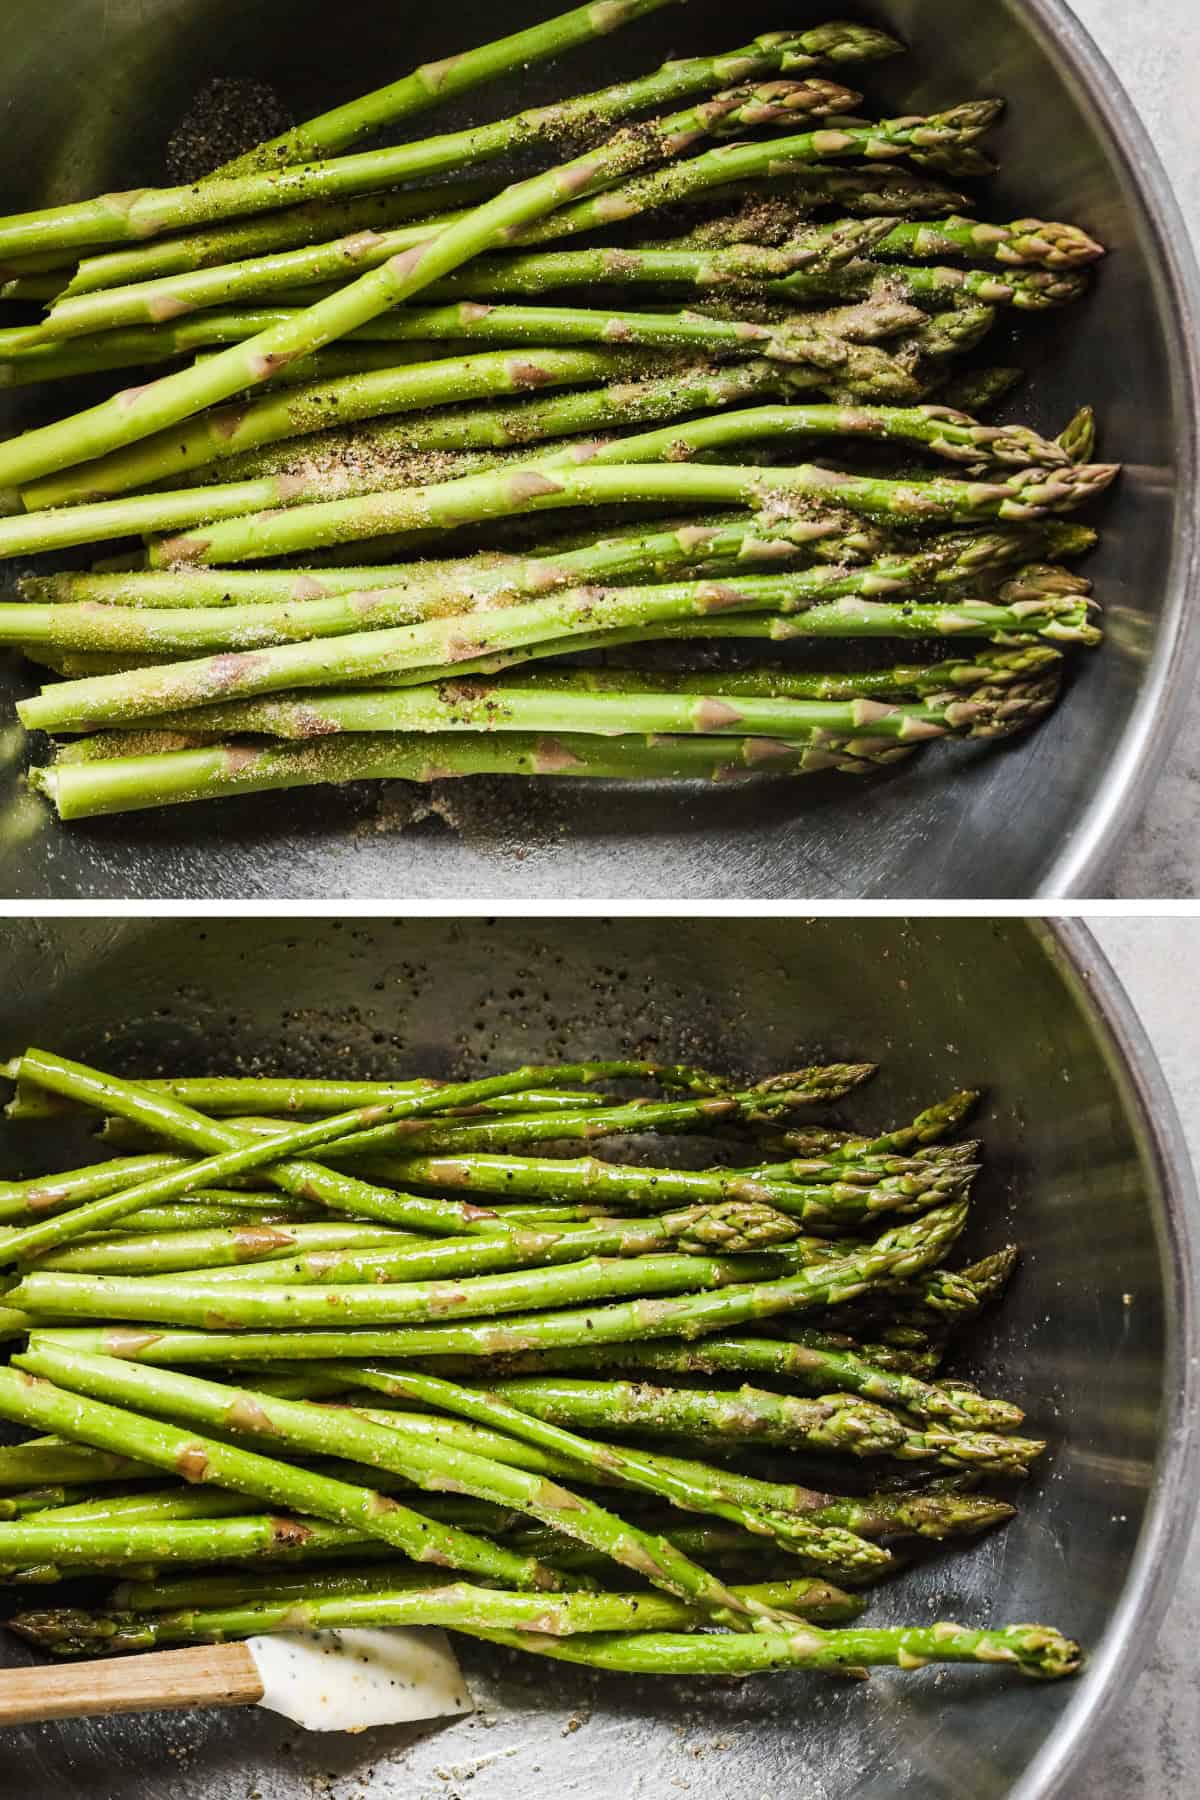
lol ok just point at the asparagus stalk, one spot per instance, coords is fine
(125, 419)
(30, 1400)
(929, 1127)
(54, 1461)
(68, 1632)
(1079, 437)
(1023, 244)
(895, 1256)
(1036, 1650)
(816, 1370)
(33, 358)
(952, 1294)
(349, 1253)
(827, 1203)
(431, 83)
(767, 1099)
(525, 707)
(690, 1486)
(1048, 604)
(227, 1212)
(42, 1194)
(836, 1422)
(812, 1598)
(801, 268)
(72, 1545)
(222, 1094)
(315, 1184)
(173, 1300)
(938, 430)
(149, 212)
(295, 411)
(316, 1428)
(884, 140)
(1027, 495)
(258, 278)
(190, 1251)
(130, 783)
(94, 1215)
(951, 559)
(166, 510)
(28, 355)
(314, 222)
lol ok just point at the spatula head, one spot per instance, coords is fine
(348, 1680)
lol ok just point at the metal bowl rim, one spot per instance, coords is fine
(1170, 681)
(1175, 1496)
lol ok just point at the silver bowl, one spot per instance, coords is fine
(91, 93)
(1098, 1338)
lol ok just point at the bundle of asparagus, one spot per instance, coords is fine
(468, 1346)
(803, 285)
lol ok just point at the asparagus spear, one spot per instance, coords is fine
(731, 1229)
(173, 1300)
(280, 1094)
(189, 1251)
(316, 1428)
(767, 1099)
(68, 1632)
(555, 481)
(835, 1422)
(1036, 1650)
(1079, 437)
(73, 1545)
(432, 83)
(826, 1203)
(31, 1400)
(884, 140)
(951, 559)
(313, 222)
(123, 218)
(127, 783)
(55, 1461)
(895, 1256)
(525, 707)
(953, 1295)
(1024, 243)
(27, 355)
(929, 1127)
(314, 1183)
(1047, 603)
(293, 412)
(818, 1371)
(812, 1598)
(259, 278)
(937, 430)
(691, 1486)
(1024, 496)
(125, 420)
(42, 1194)
(800, 268)
(95, 1214)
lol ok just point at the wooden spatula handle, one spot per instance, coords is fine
(211, 1675)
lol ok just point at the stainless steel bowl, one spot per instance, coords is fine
(1098, 1338)
(91, 91)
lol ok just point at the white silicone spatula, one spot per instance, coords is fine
(324, 1681)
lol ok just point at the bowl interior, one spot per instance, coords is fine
(91, 105)
(1085, 1342)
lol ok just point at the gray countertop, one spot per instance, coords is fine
(1156, 53)
(1150, 1750)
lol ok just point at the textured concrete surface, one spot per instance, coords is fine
(1156, 53)
(1150, 1749)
